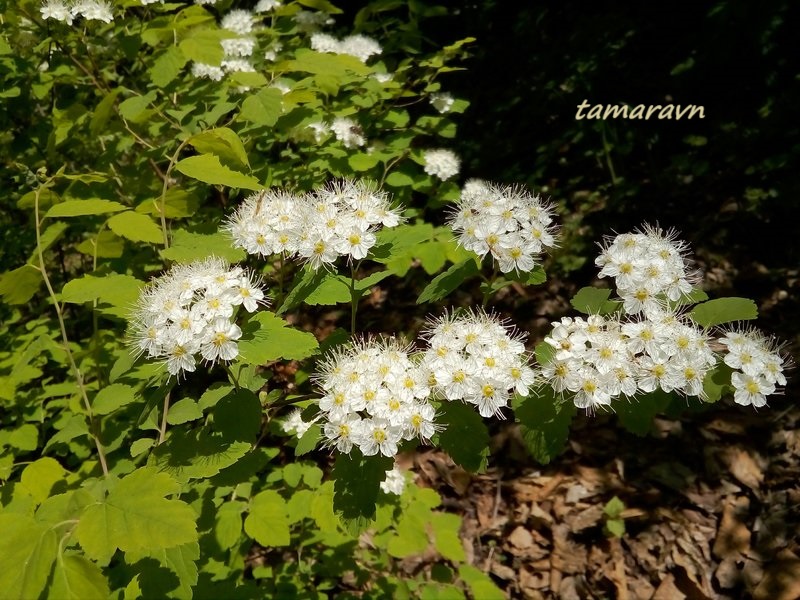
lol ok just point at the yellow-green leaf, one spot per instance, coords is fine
(76, 578)
(136, 227)
(208, 169)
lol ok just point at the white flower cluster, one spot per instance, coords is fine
(266, 5)
(395, 482)
(238, 21)
(338, 220)
(601, 358)
(190, 310)
(360, 46)
(348, 132)
(91, 10)
(375, 397)
(476, 358)
(758, 366)
(512, 224)
(442, 101)
(648, 266)
(441, 163)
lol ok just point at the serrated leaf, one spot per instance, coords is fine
(268, 522)
(357, 481)
(141, 445)
(305, 282)
(263, 108)
(181, 560)
(120, 291)
(106, 244)
(299, 506)
(78, 208)
(594, 301)
(465, 437)
(724, 310)
(444, 284)
(76, 578)
(222, 142)
(228, 524)
(188, 247)
(27, 552)
(411, 537)
(136, 516)
(308, 441)
(197, 454)
(331, 289)
(544, 423)
(136, 227)
(447, 540)
(267, 337)
(208, 169)
(39, 477)
(203, 46)
(480, 584)
(112, 397)
(167, 66)
(336, 65)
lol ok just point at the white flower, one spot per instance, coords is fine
(348, 132)
(238, 46)
(56, 9)
(188, 311)
(323, 42)
(441, 163)
(239, 21)
(93, 10)
(506, 221)
(395, 482)
(266, 6)
(360, 46)
(751, 390)
(206, 2)
(294, 423)
(237, 65)
(200, 70)
(442, 101)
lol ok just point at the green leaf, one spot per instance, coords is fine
(136, 516)
(39, 477)
(357, 481)
(25, 437)
(331, 289)
(480, 584)
(27, 552)
(208, 169)
(136, 227)
(724, 310)
(188, 247)
(615, 527)
(305, 282)
(594, 301)
(141, 445)
(263, 108)
(544, 423)
(222, 142)
(183, 411)
(76, 578)
(399, 179)
(228, 524)
(362, 161)
(444, 284)
(335, 65)
(447, 540)
(20, 285)
(106, 244)
(197, 454)
(717, 383)
(178, 203)
(545, 353)
(181, 560)
(203, 46)
(465, 438)
(308, 441)
(411, 537)
(362, 285)
(614, 507)
(167, 66)
(112, 397)
(120, 291)
(77, 208)
(636, 414)
(268, 522)
(267, 337)
(135, 108)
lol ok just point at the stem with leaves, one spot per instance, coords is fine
(93, 429)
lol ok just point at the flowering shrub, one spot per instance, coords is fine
(230, 157)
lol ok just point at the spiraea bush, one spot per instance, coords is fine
(181, 177)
